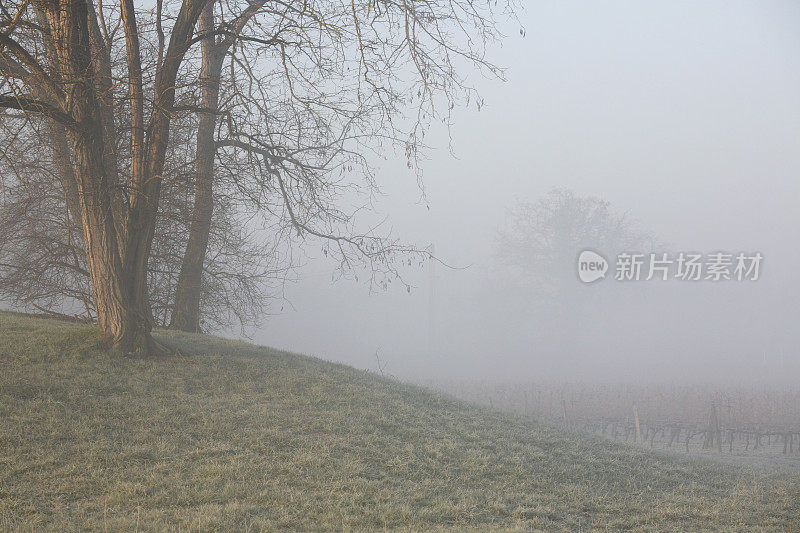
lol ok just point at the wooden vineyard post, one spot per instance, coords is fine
(636, 423)
(713, 432)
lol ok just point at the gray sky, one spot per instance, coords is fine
(684, 114)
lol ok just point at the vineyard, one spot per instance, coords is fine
(735, 421)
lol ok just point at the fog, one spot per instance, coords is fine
(685, 116)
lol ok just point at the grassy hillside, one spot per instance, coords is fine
(228, 435)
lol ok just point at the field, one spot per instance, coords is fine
(759, 425)
(229, 436)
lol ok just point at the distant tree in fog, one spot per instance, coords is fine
(538, 246)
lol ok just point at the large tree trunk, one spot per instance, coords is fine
(117, 232)
(121, 317)
(186, 309)
(101, 62)
(148, 152)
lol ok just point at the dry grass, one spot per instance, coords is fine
(231, 436)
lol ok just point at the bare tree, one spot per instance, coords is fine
(308, 93)
(534, 285)
(312, 89)
(54, 64)
(538, 246)
(43, 260)
(215, 44)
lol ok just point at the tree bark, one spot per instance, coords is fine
(150, 150)
(117, 314)
(117, 238)
(186, 309)
(101, 59)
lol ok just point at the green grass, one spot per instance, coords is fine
(230, 436)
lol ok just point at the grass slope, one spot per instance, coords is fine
(238, 437)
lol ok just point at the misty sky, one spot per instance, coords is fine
(684, 114)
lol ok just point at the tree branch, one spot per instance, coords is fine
(10, 101)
